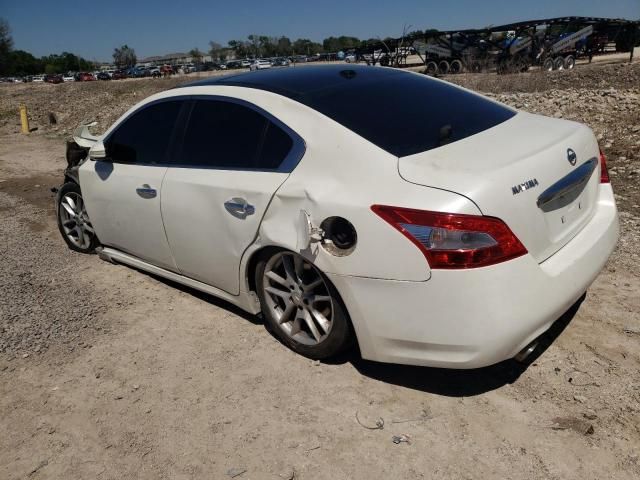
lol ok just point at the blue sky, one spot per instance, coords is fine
(152, 27)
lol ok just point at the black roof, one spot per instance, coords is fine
(297, 82)
(399, 111)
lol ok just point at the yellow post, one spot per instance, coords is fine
(24, 119)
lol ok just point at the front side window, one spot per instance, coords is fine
(223, 134)
(144, 137)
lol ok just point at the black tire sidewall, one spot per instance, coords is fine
(339, 338)
(66, 188)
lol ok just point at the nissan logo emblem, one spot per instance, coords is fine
(571, 156)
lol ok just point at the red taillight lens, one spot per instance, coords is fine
(450, 240)
(604, 173)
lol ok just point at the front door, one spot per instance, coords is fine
(122, 193)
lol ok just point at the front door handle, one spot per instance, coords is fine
(239, 207)
(145, 191)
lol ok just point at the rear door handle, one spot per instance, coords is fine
(239, 207)
(145, 191)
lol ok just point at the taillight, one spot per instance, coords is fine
(452, 241)
(604, 173)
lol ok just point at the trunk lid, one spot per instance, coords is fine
(540, 175)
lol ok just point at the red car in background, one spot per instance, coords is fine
(118, 75)
(85, 77)
(53, 78)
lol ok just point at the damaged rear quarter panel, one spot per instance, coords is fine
(341, 174)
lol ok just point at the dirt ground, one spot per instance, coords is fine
(109, 373)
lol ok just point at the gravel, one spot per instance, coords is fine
(42, 299)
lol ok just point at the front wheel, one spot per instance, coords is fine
(73, 221)
(301, 306)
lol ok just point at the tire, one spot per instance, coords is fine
(73, 222)
(569, 62)
(309, 307)
(443, 67)
(558, 63)
(431, 68)
(547, 64)
(475, 67)
(456, 66)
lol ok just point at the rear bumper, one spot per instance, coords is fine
(474, 318)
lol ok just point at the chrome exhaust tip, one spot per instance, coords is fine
(526, 352)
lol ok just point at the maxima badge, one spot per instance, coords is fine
(524, 186)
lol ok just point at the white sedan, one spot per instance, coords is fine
(361, 205)
(260, 65)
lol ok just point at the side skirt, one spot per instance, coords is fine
(243, 301)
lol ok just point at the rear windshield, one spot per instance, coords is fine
(406, 113)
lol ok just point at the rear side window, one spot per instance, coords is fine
(406, 113)
(224, 134)
(144, 137)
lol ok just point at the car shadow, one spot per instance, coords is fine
(458, 383)
(439, 381)
(205, 297)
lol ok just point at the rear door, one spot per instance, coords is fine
(233, 158)
(122, 193)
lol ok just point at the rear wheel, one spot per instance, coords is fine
(456, 66)
(558, 63)
(73, 222)
(431, 68)
(301, 306)
(569, 62)
(547, 64)
(443, 67)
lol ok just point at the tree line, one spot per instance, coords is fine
(20, 63)
(265, 46)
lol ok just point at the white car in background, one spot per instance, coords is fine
(38, 78)
(68, 78)
(259, 65)
(426, 223)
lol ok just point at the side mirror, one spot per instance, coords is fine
(98, 152)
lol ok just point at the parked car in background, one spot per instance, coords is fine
(68, 78)
(232, 64)
(38, 78)
(85, 77)
(351, 58)
(134, 72)
(155, 72)
(281, 62)
(53, 78)
(103, 76)
(167, 70)
(118, 75)
(245, 63)
(260, 64)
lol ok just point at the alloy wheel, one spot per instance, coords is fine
(75, 221)
(298, 297)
